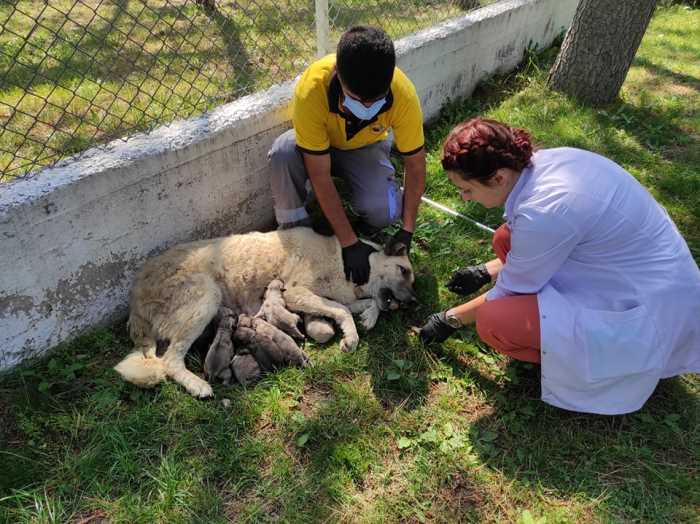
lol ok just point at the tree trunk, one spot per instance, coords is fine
(599, 48)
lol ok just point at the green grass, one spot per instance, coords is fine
(391, 432)
(76, 73)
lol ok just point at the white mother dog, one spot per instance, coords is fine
(177, 294)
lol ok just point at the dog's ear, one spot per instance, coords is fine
(395, 249)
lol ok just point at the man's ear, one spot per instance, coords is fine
(395, 249)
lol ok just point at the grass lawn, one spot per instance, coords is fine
(392, 432)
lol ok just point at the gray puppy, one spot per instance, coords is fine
(245, 368)
(217, 363)
(267, 348)
(274, 310)
(271, 347)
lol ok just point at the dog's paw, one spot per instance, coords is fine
(349, 342)
(199, 388)
(203, 391)
(368, 318)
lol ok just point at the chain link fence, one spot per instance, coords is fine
(76, 73)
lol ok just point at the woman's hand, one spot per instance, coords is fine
(436, 329)
(468, 279)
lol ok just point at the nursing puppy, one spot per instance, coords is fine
(274, 310)
(177, 294)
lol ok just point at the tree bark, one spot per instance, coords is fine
(599, 48)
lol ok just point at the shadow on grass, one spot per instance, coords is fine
(674, 179)
(109, 52)
(399, 373)
(626, 462)
(72, 426)
(244, 76)
(666, 74)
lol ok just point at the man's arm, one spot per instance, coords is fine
(318, 168)
(414, 186)
(355, 253)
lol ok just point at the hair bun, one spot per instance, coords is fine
(479, 147)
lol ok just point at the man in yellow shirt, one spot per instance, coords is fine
(343, 108)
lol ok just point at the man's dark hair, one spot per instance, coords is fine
(365, 60)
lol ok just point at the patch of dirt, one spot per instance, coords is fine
(462, 496)
(683, 153)
(95, 517)
(387, 481)
(468, 405)
(679, 89)
(234, 506)
(312, 400)
(10, 434)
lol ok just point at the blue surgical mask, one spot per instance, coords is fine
(362, 112)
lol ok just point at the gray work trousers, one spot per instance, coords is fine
(376, 196)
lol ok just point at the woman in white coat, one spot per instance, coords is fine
(592, 279)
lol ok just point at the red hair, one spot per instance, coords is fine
(477, 148)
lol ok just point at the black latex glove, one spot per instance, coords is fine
(436, 329)
(399, 239)
(356, 262)
(468, 279)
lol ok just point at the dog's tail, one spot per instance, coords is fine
(143, 370)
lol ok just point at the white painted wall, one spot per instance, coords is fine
(73, 235)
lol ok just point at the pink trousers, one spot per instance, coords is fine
(510, 325)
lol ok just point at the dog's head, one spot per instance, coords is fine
(391, 278)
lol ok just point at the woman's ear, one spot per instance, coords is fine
(505, 176)
(499, 179)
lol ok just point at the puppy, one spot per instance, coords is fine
(274, 311)
(271, 347)
(217, 363)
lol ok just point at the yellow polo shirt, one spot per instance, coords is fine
(320, 121)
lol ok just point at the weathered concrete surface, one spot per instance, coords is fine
(449, 59)
(73, 236)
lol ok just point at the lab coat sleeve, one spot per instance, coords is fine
(541, 241)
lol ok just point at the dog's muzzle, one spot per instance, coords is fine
(389, 302)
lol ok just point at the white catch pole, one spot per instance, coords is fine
(322, 28)
(452, 212)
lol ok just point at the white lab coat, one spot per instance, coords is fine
(617, 288)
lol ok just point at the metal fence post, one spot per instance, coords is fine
(322, 27)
